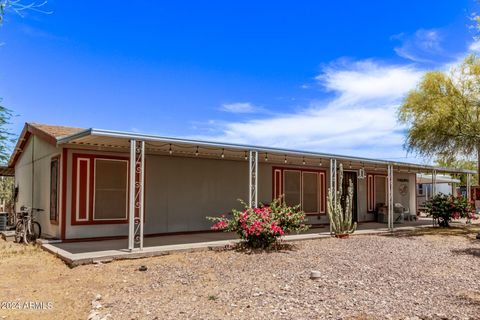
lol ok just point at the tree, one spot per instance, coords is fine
(443, 112)
(453, 162)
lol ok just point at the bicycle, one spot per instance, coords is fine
(26, 228)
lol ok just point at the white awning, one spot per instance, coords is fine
(427, 178)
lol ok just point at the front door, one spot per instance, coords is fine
(347, 176)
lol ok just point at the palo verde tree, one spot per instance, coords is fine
(443, 112)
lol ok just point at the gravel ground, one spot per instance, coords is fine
(428, 276)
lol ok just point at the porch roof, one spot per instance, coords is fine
(110, 140)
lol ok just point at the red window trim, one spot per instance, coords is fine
(91, 158)
(58, 158)
(63, 227)
(278, 172)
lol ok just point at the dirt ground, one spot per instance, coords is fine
(428, 274)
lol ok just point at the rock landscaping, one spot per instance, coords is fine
(427, 274)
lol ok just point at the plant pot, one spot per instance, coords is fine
(342, 235)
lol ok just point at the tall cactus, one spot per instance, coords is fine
(341, 221)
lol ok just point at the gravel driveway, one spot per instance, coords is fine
(429, 276)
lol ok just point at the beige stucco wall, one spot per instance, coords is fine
(181, 192)
(39, 153)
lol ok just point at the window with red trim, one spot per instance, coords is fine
(99, 189)
(303, 187)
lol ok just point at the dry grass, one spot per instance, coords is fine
(10, 249)
(28, 274)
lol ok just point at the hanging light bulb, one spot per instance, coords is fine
(266, 157)
(285, 161)
(320, 163)
(246, 157)
(170, 150)
(223, 153)
(350, 165)
(196, 152)
(303, 162)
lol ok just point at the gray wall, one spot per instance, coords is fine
(42, 153)
(180, 192)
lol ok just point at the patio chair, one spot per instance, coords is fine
(398, 213)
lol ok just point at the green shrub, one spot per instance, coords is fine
(444, 208)
(261, 227)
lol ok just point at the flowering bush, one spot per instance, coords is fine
(445, 208)
(261, 227)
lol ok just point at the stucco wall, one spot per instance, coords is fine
(181, 192)
(40, 153)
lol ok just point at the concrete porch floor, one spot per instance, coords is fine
(85, 252)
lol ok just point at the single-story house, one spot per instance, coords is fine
(96, 184)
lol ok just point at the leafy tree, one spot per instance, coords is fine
(467, 164)
(443, 112)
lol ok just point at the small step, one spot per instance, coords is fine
(8, 235)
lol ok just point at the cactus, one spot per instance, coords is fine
(341, 218)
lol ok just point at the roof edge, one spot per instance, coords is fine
(149, 137)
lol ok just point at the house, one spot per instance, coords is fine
(96, 184)
(444, 184)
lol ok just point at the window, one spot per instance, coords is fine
(301, 187)
(110, 192)
(310, 193)
(54, 173)
(376, 191)
(99, 189)
(292, 187)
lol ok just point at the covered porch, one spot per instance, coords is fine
(255, 174)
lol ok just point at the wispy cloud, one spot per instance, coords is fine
(359, 119)
(241, 107)
(357, 116)
(423, 46)
(367, 80)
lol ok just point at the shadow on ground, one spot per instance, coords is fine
(469, 251)
(279, 247)
(466, 231)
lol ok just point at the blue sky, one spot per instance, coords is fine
(314, 75)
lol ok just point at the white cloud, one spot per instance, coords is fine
(360, 118)
(365, 80)
(422, 46)
(240, 107)
(474, 47)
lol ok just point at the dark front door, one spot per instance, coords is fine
(347, 177)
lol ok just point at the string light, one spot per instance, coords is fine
(246, 157)
(320, 164)
(285, 161)
(350, 165)
(170, 150)
(266, 157)
(303, 162)
(223, 153)
(196, 152)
